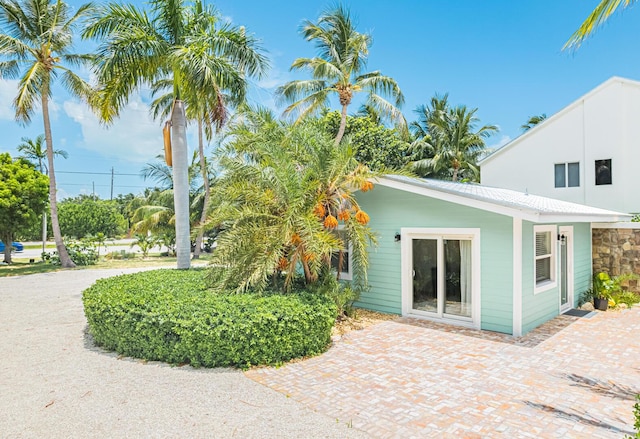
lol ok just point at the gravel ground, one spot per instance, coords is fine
(54, 383)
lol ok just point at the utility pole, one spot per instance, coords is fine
(93, 185)
(111, 183)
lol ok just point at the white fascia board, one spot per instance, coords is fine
(457, 199)
(573, 218)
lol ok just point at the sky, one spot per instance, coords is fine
(503, 57)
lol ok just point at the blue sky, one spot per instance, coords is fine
(503, 57)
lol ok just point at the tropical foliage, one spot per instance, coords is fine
(598, 16)
(448, 143)
(35, 45)
(533, 121)
(87, 215)
(284, 193)
(378, 147)
(23, 194)
(174, 45)
(339, 70)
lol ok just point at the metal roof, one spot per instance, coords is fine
(509, 202)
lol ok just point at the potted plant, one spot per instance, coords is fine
(602, 286)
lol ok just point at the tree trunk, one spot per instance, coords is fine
(181, 184)
(343, 124)
(455, 174)
(65, 260)
(207, 191)
(8, 244)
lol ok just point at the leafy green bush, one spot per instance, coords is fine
(81, 252)
(169, 315)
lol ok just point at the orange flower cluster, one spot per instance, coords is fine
(362, 217)
(319, 211)
(366, 186)
(344, 215)
(295, 239)
(308, 257)
(282, 264)
(330, 222)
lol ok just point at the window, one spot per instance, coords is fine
(545, 253)
(567, 173)
(603, 172)
(341, 260)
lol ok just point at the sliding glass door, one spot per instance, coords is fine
(442, 276)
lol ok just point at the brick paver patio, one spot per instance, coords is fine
(572, 377)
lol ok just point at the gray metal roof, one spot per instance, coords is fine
(542, 207)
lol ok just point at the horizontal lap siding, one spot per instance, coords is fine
(391, 210)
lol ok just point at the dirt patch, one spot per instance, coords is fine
(362, 319)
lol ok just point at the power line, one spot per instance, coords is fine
(95, 173)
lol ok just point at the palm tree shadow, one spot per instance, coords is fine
(606, 388)
(582, 418)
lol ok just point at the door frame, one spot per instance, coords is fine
(568, 232)
(407, 235)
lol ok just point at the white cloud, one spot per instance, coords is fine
(134, 136)
(504, 139)
(8, 91)
(276, 78)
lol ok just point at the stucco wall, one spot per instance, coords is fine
(617, 251)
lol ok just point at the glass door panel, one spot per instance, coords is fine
(564, 273)
(425, 275)
(457, 294)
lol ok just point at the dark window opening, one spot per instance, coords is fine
(603, 172)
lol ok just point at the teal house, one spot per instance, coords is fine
(477, 256)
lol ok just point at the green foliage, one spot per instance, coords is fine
(636, 414)
(342, 294)
(613, 289)
(283, 192)
(169, 315)
(146, 243)
(375, 145)
(82, 252)
(23, 195)
(87, 215)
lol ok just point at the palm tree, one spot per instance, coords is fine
(280, 205)
(533, 121)
(448, 144)
(35, 45)
(338, 68)
(142, 49)
(35, 151)
(598, 16)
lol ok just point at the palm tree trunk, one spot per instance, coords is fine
(65, 260)
(343, 124)
(455, 174)
(181, 184)
(207, 191)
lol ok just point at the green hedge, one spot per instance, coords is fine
(169, 315)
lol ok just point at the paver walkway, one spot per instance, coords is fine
(571, 378)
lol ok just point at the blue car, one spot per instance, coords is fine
(17, 246)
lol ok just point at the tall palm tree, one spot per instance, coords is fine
(598, 16)
(533, 121)
(35, 151)
(338, 69)
(143, 48)
(35, 45)
(448, 144)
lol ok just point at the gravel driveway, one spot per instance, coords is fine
(55, 383)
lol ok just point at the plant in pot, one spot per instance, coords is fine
(602, 291)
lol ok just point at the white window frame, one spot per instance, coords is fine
(553, 270)
(565, 166)
(347, 275)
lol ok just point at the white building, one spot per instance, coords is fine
(587, 153)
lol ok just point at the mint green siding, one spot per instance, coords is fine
(538, 308)
(391, 210)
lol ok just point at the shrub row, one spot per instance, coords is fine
(169, 315)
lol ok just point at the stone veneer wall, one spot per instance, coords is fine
(617, 251)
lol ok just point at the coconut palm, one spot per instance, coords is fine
(339, 69)
(281, 205)
(533, 121)
(448, 144)
(35, 151)
(143, 48)
(598, 16)
(35, 45)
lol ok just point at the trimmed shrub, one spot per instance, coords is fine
(169, 315)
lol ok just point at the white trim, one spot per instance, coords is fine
(406, 267)
(559, 114)
(623, 225)
(548, 285)
(568, 231)
(517, 277)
